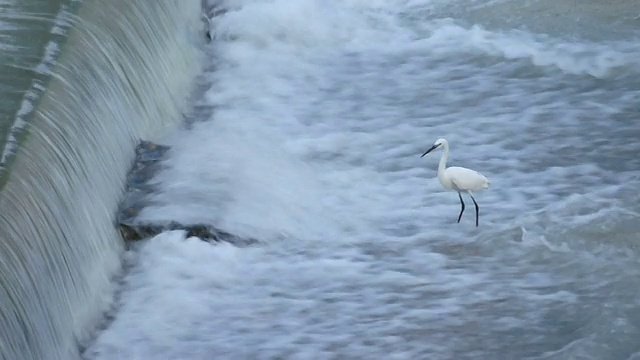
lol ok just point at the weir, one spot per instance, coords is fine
(123, 74)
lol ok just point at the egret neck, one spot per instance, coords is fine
(444, 180)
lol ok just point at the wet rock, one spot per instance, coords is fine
(205, 232)
(211, 10)
(138, 187)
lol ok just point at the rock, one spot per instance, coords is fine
(138, 187)
(210, 10)
(204, 232)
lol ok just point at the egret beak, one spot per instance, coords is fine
(430, 150)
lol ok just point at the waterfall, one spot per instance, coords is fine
(124, 73)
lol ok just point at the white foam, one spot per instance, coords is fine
(578, 58)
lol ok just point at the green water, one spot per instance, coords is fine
(27, 29)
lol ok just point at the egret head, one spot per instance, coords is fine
(436, 145)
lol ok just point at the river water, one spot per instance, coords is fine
(315, 117)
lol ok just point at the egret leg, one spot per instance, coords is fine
(477, 209)
(462, 204)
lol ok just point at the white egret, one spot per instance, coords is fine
(458, 179)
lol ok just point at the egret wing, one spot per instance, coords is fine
(466, 179)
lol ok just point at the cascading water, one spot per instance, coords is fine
(124, 72)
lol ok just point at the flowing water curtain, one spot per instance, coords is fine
(122, 74)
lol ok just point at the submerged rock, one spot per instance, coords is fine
(211, 10)
(138, 188)
(205, 232)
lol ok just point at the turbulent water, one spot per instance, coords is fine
(316, 115)
(80, 83)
